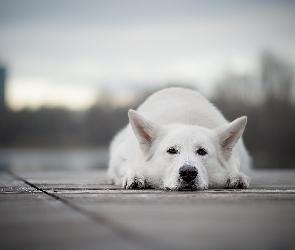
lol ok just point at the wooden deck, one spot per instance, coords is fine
(78, 210)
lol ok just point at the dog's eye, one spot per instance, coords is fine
(172, 151)
(201, 151)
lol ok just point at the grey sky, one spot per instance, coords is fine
(116, 44)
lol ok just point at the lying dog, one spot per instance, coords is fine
(177, 140)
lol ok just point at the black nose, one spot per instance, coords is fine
(188, 173)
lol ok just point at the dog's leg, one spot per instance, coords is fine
(237, 181)
(134, 181)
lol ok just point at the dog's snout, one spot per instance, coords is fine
(188, 173)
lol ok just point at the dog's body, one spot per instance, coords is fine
(178, 140)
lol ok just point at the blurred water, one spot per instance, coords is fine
(53, 159)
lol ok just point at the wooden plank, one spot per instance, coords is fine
(262, 217)
(30, 219)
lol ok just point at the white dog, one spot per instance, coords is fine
(177, 140)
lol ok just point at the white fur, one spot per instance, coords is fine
(185, 120)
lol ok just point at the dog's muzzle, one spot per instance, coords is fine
(188, 177)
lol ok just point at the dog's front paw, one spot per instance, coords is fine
(134, 182)
(237, 181)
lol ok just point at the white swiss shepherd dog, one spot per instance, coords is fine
(177, 140)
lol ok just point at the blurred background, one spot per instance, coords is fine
(70, 70)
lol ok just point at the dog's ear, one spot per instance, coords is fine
(144, 130)
(229, 134)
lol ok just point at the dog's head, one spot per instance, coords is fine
(181, 157)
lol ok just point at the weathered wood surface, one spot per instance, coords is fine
(78, 210)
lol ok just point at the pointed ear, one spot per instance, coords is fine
(229, 134)
(144, 130)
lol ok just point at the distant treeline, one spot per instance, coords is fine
(61, 127)
(267, 101)
(269, 104)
